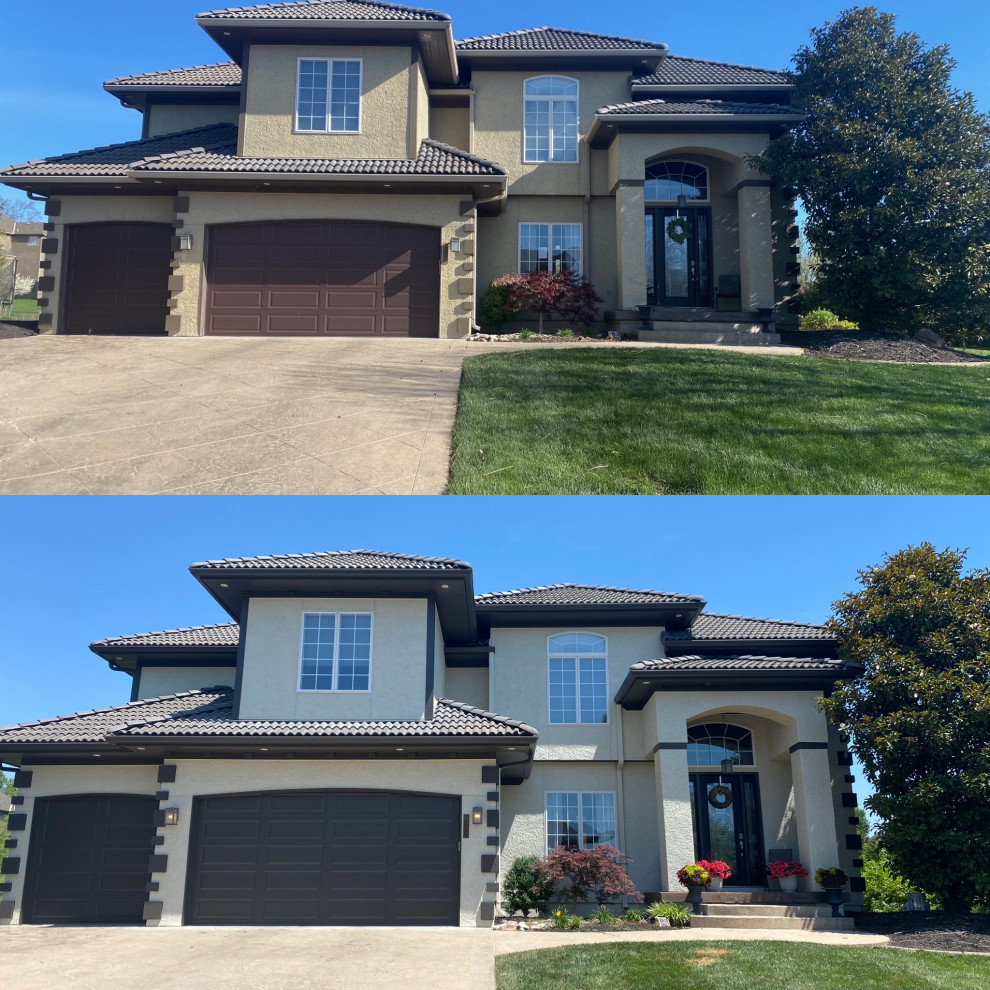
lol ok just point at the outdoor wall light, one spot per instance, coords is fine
(728, 766)
(476, 816)
(171, 816)
(455, 245)
(185, 242)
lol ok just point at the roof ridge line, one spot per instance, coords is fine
(463, 706)
(221, 689)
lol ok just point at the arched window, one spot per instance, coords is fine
(550, 119)
(713, 742)
(578, 678)
(665, 181)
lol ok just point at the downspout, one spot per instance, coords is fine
(619, 792)
(586, 214)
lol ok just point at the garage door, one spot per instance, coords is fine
(88, 859)
(116, 278)
(308, 278)
(324, 858)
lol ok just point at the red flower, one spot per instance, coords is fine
(716, 867)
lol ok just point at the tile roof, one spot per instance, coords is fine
(113, 160)
(581, 594)
(207, 712)
(738, 662)
(677, 70)
(549, 39)
(434, 158)
(713, 625)
(714, 108)
(344, 10)
(215, 74)
(336, 560)
(222, 634)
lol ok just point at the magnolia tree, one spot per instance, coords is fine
(564, 292)
(597, 874)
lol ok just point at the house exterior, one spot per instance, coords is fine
(333, 754)
(354, 170)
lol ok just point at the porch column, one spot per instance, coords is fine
(755, 245)
(630, 239)
(814, 814)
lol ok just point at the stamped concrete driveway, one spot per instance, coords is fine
(47, 958)
(222, 416)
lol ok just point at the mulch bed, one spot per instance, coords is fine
(19, 329)
(930, 930)
(861, 345)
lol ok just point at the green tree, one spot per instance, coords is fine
(6, 787)
(893, 166)
(919, 715)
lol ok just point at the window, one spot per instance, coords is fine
(550, 119)
(580, 820)
(709, 744)
(578, 667)
(665, 181)
(328, 95)
(336, 652)
(549, 247)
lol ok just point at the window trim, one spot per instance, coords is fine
(329, 63)
(740, 767)
(336, 646)
(577, 678)
(550, 224)
(580, 794)
(577, 107)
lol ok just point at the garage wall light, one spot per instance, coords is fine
(455, 245)
(185, 242)
(171, 816)
(476, 815)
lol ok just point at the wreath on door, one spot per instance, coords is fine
(720, 796)
(679, 229)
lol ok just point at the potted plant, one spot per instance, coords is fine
(718, 870)
(787, 874)
(832, 880)
(696, 878)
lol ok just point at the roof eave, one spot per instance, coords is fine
(27, 181)
(711, 87)
(794, 647)
(603, 121)
(400, 178)
(650, 58)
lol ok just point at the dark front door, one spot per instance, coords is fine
(726, 816)
(324, 858)
(88, 860)
(678, 256)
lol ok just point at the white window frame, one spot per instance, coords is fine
(296, 129)
(685, 161)
(577, 676)
(742, 767)
(336, 652)
(550, 224)
(580, 796)
(577, 113)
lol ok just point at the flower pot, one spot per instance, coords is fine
(834, 897)
(695, 890)
(716, 883)
(787, 884)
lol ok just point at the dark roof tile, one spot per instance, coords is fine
(677, 70)
(581, 594)
(712, 626)
(737, 662)
(550, 39)
(336, 560)
(327, 10)
(216, 74)
(222, 634)
(712, 108)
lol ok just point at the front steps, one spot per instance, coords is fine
(696, 326)
(767, 911)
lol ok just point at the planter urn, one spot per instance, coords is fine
(695, 890)
(833, 895)
(645, 315)
(788, 885)
(716, 884)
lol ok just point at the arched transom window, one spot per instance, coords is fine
(666, 181)
(713, 742)
(578, 676)
(550, 119)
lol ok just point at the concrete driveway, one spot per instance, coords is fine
(226, 416)
(44, 958)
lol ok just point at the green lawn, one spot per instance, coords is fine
(636, 421)
(738, 966)
(978, 351)
(24, 309)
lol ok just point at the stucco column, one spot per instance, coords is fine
(815, 817)
(670, 768)
(630, 239)
(755, 245)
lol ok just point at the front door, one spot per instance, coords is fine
(678, 256)
(725, 811)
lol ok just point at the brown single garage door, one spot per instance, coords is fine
(116, 278)
(88, 859)
(324, 858)
(319, 277)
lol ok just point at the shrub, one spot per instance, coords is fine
(603, 916)
(633, 914)
(566, 332)
(886, 890)
(825, 319)
(597, 874)
(833, 876)
(527, 886)
(565, 921)
(565, 293)
(677, 914)
(495, 306)
(525, 334)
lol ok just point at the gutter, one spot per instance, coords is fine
(604, 120)
(138, 174)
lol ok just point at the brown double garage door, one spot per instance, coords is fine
(305, 278)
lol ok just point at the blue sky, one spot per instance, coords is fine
(80, 569)
(56, 55)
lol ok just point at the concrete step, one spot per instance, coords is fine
(743, 897)
(767, 910)
(739, 335)
(761, 922)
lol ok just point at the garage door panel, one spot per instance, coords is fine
(323, 277)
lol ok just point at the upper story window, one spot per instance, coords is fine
(666, 181)
(549, 247)
(550, 119)
(336, 652)
(578, 668)
(328, 95)
(709, 744)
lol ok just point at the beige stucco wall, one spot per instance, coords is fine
(52, 781)
(215, 208)
(439, 663)
(203, 777)
(269, 687)
(451, 125)
(419, 111)
(468, 684)
(165, 118)
(157, 681)
(269, 126)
